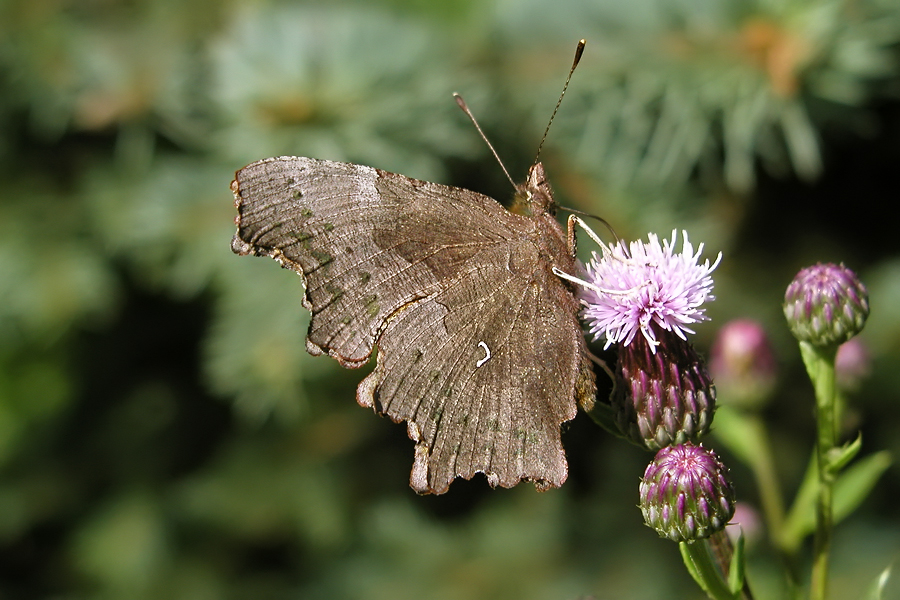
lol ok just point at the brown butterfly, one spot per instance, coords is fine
(480, 349)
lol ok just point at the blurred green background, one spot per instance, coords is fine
(163, 433)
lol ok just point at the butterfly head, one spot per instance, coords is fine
(534, 197)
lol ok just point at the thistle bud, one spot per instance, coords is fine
(746, 522)
(686, 494)
(852, 365)
(743, 364)
(826, 305)
(663, 397)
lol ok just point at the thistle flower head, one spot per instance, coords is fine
(663, 393)
(826, 305)
(646, 288)
(686, 494)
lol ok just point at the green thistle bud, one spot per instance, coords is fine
(664, 397)
(686, 494)
(826, 305)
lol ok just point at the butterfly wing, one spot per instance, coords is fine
(480, 349)
(484, 373)
(330, 222)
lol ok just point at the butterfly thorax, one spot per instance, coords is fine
(534, 198)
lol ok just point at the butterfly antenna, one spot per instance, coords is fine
(465, 109)
(579, 50)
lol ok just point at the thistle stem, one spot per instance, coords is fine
(698, 558)
(723, 551)
(819, 363)
(762, 464)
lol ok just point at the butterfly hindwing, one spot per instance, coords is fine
(482, 381)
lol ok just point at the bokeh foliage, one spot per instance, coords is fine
(163, 433)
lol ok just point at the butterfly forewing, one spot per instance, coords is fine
(480, 349)
(329, 221)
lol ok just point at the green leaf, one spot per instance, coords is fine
(691, 565)
(800, 519)
(740, 432)
(700, 565)
(838, 458)
(604, 416)
(876, 591)
(850, 489)
(736, 568)
(854, 485)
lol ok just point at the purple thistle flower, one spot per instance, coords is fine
(644, 287)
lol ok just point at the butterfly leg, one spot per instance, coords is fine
(571, 243)
(570, 232)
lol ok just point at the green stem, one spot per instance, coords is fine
(744, 433)
(763, 467)
(820, 366)
(723, 552)
(772, 500)
(700, 564)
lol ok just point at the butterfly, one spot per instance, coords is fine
(479, 345)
